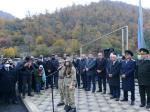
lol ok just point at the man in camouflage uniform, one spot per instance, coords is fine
(69, 84)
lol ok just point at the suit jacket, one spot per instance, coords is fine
(101, 65)
(91, 65)
(114, 69)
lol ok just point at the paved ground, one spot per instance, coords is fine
(13, 108)
(86, 102)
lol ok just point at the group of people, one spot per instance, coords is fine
(119, 74)
(26, 76)
(66, 73)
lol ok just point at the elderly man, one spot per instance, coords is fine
(114, 77)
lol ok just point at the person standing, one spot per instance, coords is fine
(69, 84)
(127, 74)
(8, 79)
(54, 68)
(61, 83)
(91, 73)
(27, 71)
(143, 75)
(101, 72)
(82, 71)
(114, 77)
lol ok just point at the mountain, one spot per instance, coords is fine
(5, 15)
(68, 28)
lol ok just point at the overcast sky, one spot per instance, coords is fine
(19, 8)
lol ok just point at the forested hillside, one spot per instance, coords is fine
(68, 28)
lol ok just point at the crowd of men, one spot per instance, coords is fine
(84, 72)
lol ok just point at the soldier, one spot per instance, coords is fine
(127, 73)
(69, 84)
(114, 77)
(61, 83)
(101, 72)
(143, 72)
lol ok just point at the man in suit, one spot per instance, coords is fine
(82, 71)
(114, 77)
(143, 72)
(91, 73)
(127, 74)
(101, 72)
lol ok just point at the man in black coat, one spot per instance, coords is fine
(114, 76)
(143, 72)
(8, 80)
(101, 72)
(91, 73)
(76, 62)
(27, 71)
(127, 73)
(54, 68)
(82, 71)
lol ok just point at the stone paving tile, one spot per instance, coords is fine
(87, 102)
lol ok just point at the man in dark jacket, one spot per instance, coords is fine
(91, 73)
(101, 72)
(27, 72)
(114, 76)
(76, 61)
(127, 73)
(143, 72)
(55, 65)
(8, 83)
(82, 71)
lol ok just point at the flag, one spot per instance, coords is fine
(141, 42)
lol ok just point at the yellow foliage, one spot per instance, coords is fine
(9, 52)
(39, 40)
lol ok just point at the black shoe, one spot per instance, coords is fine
(124, 100)
(148, 107)
(31, 95)
(104, 92)
(67, 108)
(99, 91)
(142, 105)
(117, 99)
(73, 110)
(132, 103)
(61, 104)
(111, 97)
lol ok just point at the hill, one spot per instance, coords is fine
(5, 15)
(68, 28)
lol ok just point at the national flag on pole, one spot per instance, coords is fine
(141, 42)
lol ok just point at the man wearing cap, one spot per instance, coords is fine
(143, 74)
(127, 74)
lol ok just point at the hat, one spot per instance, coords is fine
(129, 52)
(144, 50)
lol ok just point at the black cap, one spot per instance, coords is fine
(129, 52)
(144, 50)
